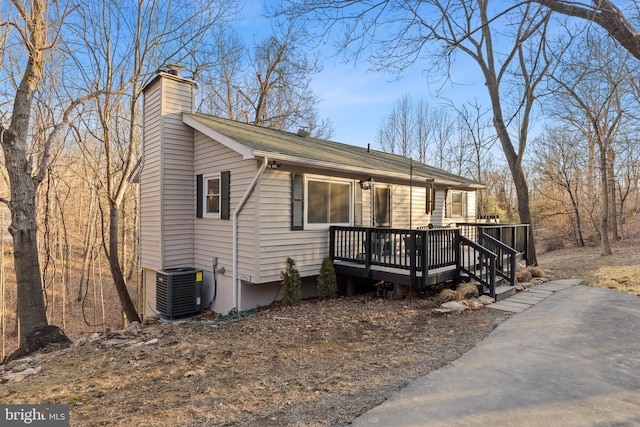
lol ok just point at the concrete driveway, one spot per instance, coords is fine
(572, 359)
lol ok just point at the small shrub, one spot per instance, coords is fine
(327, 284)
(537, 271)
(446, 295)
(466, 291)
(292, 282)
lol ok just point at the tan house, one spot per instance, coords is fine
(235, 200)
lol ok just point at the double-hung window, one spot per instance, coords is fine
(212, 196)
(456, 204)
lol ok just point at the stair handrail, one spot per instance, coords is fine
(470, 269)
(510, 252)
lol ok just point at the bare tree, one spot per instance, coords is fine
(125, 44)
(440, 30)
(278, 90)
(396, 133)
(423, 130)
(628, 179)
(268, 87)
(221, 94)
(560, 164)
(593, 99)
(605, 14)
(32, 28)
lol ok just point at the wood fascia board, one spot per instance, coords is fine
(230, 143)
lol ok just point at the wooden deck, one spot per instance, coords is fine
(421, 258)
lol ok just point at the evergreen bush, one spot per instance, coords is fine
(292, 283)
(327, 285)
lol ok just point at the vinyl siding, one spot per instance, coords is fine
(213, 236)
(277, 241)
(177, 182)
(150, 182)
(166, 186)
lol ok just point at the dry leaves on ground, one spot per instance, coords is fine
(321, 363)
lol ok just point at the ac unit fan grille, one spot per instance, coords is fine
(177, 292)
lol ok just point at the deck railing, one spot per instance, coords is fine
(481, 250)
(395, 248)
(515, 236)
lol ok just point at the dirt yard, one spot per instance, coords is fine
(317, 364)
(620, 270)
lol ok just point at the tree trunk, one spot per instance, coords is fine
(517, 174)
(30, 306)
(31, 309)
(604, 181)
(116, 270)
(578, 225)
(612, 193)
(88, 247)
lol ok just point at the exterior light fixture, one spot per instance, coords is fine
(365, 184)
(273, 165)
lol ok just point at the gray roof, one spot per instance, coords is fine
(277, 144)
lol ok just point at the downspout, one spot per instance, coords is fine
(234, 218)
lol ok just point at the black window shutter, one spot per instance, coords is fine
(225, 195)
(297, 202)
(199, 195)
(431, 199)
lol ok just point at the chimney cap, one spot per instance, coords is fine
(174, 69)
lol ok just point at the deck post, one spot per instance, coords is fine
(413, 255)
(332, 242)
(423, 251)
(458, 250)
(368, 250)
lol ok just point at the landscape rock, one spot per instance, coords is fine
(15, 377)
(486, 300)
(134, 328)
(454, 305)
(472, 305)
(196, 373)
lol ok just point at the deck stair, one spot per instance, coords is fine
(504, 291)
(487, 254)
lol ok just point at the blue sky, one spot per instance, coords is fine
(355, 99)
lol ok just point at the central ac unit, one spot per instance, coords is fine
(179, 291)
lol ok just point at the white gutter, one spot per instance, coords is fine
(360, 170)
(234, 218)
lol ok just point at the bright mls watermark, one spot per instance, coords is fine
(34, 415)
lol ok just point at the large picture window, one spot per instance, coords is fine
(328, 202)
